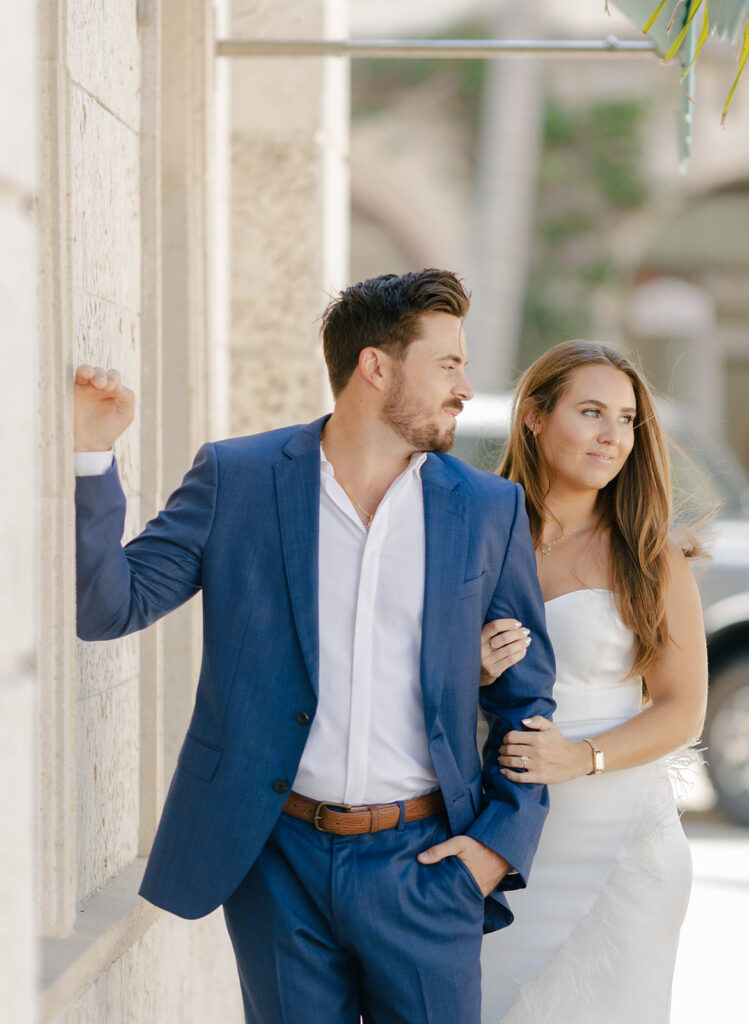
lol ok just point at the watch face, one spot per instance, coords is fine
(598, 759)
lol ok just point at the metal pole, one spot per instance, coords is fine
(435, 48)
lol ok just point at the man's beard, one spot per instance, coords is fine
(403, 410)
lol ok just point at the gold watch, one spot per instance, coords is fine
(598, 761)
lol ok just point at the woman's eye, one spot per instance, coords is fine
(594, 412)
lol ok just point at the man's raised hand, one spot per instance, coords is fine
(104, 408)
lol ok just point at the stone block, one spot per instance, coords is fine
(268, 392)
(277, 269)
(101, 1002)
(109, 335)
(103, 54)
(17, 940)
(149, 995)
(278, 19)
(295, 88)
(102, 666)
(108, 784)
(18, 96)
(105, 203)
(18, 451)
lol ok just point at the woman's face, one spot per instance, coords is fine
(586, 439)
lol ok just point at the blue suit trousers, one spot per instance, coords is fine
(327, 929)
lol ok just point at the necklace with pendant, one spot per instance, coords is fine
(369, 516)
(546, 548)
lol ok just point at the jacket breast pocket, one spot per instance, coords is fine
(198, 758)
(473, 586)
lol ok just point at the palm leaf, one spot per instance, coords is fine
(654, 16)
(682, 35)
(723, 19)
(742, 61)
(704, 36)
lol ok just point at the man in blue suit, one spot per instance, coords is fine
(329, 793)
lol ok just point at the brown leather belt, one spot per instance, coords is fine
(345, 820)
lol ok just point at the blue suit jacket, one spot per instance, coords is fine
(243, 528)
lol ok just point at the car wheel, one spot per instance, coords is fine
(727, 738)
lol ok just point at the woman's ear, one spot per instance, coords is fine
(532, 417)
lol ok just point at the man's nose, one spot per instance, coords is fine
(463, 388)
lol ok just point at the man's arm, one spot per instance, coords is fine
(505, 834)
(121, 589)
(512, 816)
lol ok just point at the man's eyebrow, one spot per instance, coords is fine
(453, 357)
(602, 405)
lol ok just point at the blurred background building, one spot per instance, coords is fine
(554, 186)
(184, 218)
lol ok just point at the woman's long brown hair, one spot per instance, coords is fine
(636, 506)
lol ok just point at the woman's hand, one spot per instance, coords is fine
(503, 643)
(543, 753)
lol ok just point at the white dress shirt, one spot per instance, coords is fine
(367, 741)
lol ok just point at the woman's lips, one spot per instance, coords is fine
(600, 457)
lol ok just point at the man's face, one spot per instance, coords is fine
(429, 385)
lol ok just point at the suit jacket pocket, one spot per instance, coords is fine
(198, 758)
(473, 586)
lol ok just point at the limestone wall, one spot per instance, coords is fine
(118, 173)
(289, 212)
(123, 204)
(18, 440)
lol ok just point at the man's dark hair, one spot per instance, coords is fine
(383, 312)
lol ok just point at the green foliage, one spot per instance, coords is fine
(590, 177)
(375, 84)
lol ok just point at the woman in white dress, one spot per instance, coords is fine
(595, 933)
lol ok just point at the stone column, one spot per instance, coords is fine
(18, 452)
(289, 211)
(511, 133)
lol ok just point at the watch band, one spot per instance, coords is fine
(598, 759)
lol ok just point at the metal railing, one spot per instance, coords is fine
(436, 48)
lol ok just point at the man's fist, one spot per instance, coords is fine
(104, 408)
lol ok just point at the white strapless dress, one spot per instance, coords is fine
(595, 932)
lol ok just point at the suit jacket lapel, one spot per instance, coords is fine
(446, 529)
(298, 499)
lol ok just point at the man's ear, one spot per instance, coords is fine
(374, 366)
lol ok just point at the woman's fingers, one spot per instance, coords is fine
(499, 626)
(504, 643)
(498, 639)
(538, 722)
(528, 776)
(521, 763)
(494, 663)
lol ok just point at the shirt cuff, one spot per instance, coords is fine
(93, 463)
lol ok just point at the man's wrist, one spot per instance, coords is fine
(502, 865)
(92, 463)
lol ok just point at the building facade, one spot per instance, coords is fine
(183, 221)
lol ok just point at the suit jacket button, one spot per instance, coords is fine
(280, 786)
(302, 717)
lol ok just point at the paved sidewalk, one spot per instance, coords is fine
(711, 983)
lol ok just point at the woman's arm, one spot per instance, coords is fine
(677, 684)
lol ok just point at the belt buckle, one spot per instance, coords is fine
(344, 808)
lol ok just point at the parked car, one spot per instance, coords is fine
(709, 470)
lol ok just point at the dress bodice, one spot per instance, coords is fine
(593, 650)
